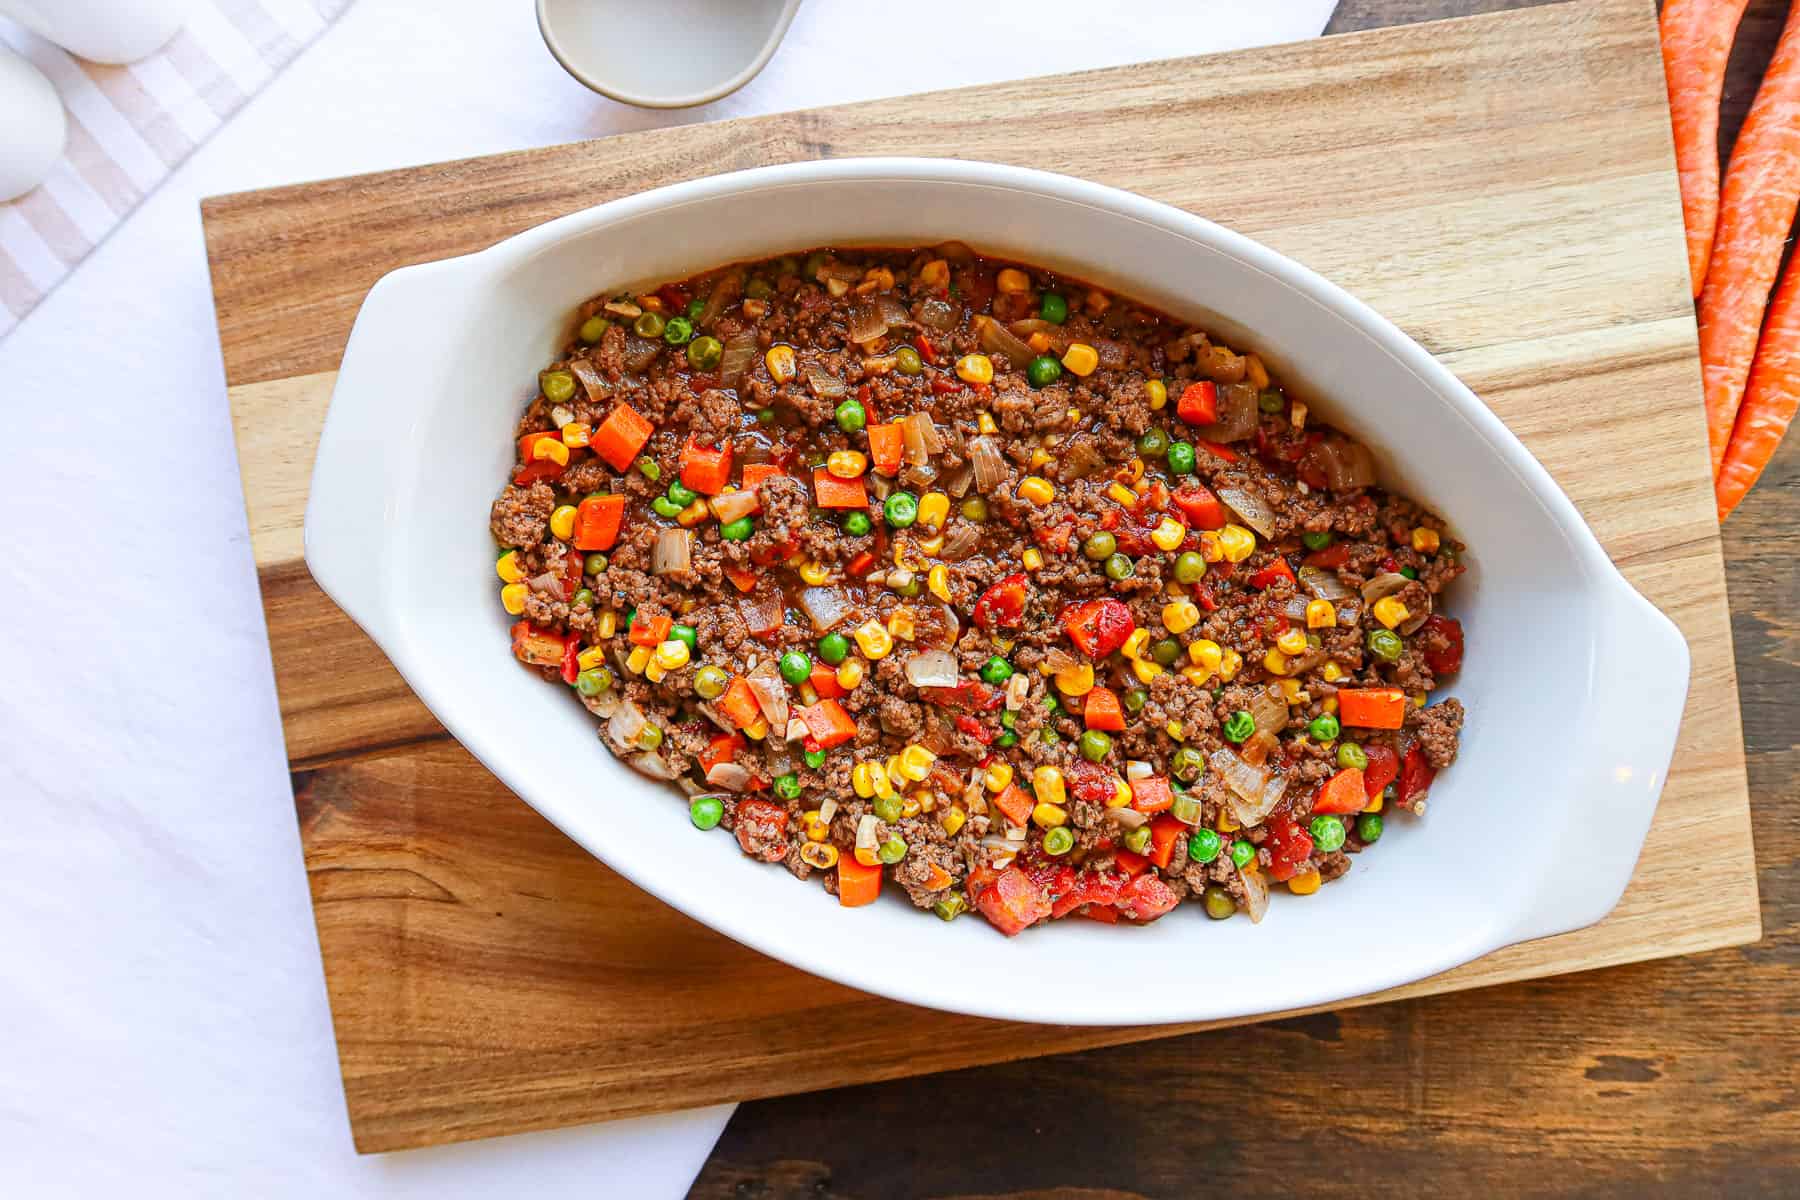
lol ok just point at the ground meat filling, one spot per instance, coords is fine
(917, 568)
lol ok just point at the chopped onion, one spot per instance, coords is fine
(729, 506)
(998, 339)
(762, 612)
(1256, 893)
(1257, 749)
(1249, 787)
(920, 476)
(866, 838)
(724, 294)
(932, 668)
(639, 352)
(936, 625)
(958, 479)
(865, 323)
(1270, 709)
(591, 383)
(674, 552)
(1383, 585)
(1346, 465)
(1238, 415)
(891, 310)
(733, 777)
(1059, 659)
(990, 467)
(1295, 608)
(738, 355)
(922, 440)
(940, 315)
(654, 765)
(824, 384)
(625, 726)
(547, 582)
(1127, 816)
(960, 542)
(796, 729)
(835, 269)
(771, 694)
(605, 704)
(1323, 584)
(828, 809)
(1412, 623)
(879, 484)
(1058, 336)
(1254, 510)
(824, 607)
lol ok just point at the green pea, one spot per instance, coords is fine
(1049, 737)
(1368, 828)
(758, 288)
(1239, 726)
(1270, 400)
(1094, 745)
(1043, 371)
(678, 331)
(887, 808)
(583, 598)
(1185, 808)
(738, 530)
(1187, 763)
(1053, 308)
(1316, 541)
(892, 850)
(1242, 854)
(1099, 545)
(975, 508)
(1166, 652)
(795, 667)
(1410, 572)
(703, 353)
(907, 361)
(1327, 832)
(593, 329)
(1138, 840)
(1007, 740)
(1350, 756)
(666, 507)
(765, 416)
(857, 523)
(649, 470)
(851, 416)
(1008, 719)
(557, 385)
(1189, 567)
(1218, 904)
(649, 325)
(950, 906)
(682, 494)
(1154, 443)
(1051, 704)
(1058, 841)
(1119, 567)
(1135, 700)
(996, 671)
(706, 811)
(901, 509)
(1181, 458)
(595, 564)
(787, 786)
(1204, 845)
(834, 648)
(814, 758)
(695, 307)
(1323, 727)
(649, 737)
(710, 682)
(1385, 644)
(593, 681)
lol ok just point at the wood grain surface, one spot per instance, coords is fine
(1501, 187)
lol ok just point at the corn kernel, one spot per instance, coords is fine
(1039, 342)
(758, 729)
(1077, 680)
(593, 656)
(876, 279)
(891, 771)
(814, 572)
(577, 433)
(862, 780)
(1074, 416)
(551, 450)
(782, 367)
(1012, 280)
(1134, 642)
(998, 776)
(1332, 672)
(935, 274)
(808, 693)
(1320, 615)
(1226, 822)
(1238, 543)
(693, 514)
(938, 580)
(932, 545)
(850, 674)
(1275, 662)
(1291, 642)
(608, 624)
(952, 820)
(820, 855)
(1297, 414)
(847, 464)
(1145, 669)
(1207, 654)
(1168, 534)
(638, 659)
(985, 423)
(867, 856)
(1040, 458)
(1002, 645)
(1255, 372)
(1418, 699)
(1122, 494)
(1180, 616)
(509, 569)
(1230, 663)
(900, 623)
(814, 825)
(1196, 676)
(1158, 392)
(1329, 704)
(1081, 359)
(1212, 549)
(1047, 784)
(1121, 794)
(934, 507)
(1134, 468)
(512, 597)
(1425, 541)
(1033, 559)
(1049, 816)
(1375, 804)
(915, 762)
(874, 640)
(796, 560)
(1305, 883)
(1390, 611)
(914, 804)
(1037, 489)
(975, 368)
(653, 672)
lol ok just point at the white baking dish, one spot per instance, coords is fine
(1573, 682)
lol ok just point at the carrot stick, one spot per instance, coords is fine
(1770, 399)
(1696, 44)
(1762, 186)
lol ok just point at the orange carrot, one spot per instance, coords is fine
(1762, 188)
(1696, 44)
(857, 884)
(832, 492)
(1770, 399)
(1372, 708)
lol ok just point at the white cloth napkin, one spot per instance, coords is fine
(163, 1026)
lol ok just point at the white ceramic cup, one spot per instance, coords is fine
(32, 133)
(103, 31)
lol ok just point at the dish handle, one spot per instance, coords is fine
(1640, 674)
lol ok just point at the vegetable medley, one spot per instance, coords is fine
(914, 568)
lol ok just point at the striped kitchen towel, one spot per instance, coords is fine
(130, 126)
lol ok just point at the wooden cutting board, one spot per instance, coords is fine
(1501, 186)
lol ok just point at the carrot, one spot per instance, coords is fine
(755, 473)
(1696, 44)
(739, 703)
(857, 884)
(1762, 189)
(1015, 803)
(744, 581)
(1770, 399)
(621, 436)
(1342, 793)
(597, 522)
(885, 446)
(1102, 710)
(1163, 831)
(827, 724)
(651, 631)
(1372, 708)
(833, 492)
(705, 469)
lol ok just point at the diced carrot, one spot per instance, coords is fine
(597, 522)
(833, 492)
(857, 884)
(1015, 803)
(755, 473)
(1372, 708)
(824, 681)
(859, 566)
(739, 704)
(744, 580)
(1224, 452)
(721, 749)
(1696, 44)
(1103, 711)
(1163, 831)
(1343, 792)
(705, 469)
(1131, 864)
(1770, 399)
(1152, 794)
(1199, 403)
(886, 443)
(621, 436)
(937, 879)
(827, 724)
(651, 631)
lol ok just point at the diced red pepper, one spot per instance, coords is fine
(1090, 781)
(1002, 606)
(1131, 864)
(1098, 627)
(886, 445)
(674, 297)
(1102, 710)
(1147, 898)
(1383, 769)
(967, 694)
(922, 344)
(1331, 557)
(1163, 831)
(943, 385)
(739, 704)
(827, 724)
(571, 576)
(1342, 793)
(597, 521)
(755, 473)
(651, 631)
(536, 646)
(1201, 507)
(1442, 638)
(975, 729)
(1199, 403)
(1105, 914)
(1098, 889)
(530, 473)
(824, 681)
(833, 492)
(1267, 575)
(1151, 794)
(1222, 451)
(859, 566)
(721, 749)
(742, 579)
(1015, 802)
(1416, 775)
(571, 665)
(621, 436)
(1012, 902)
(1289, 846)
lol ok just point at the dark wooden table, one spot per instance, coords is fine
(1681, 1075)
